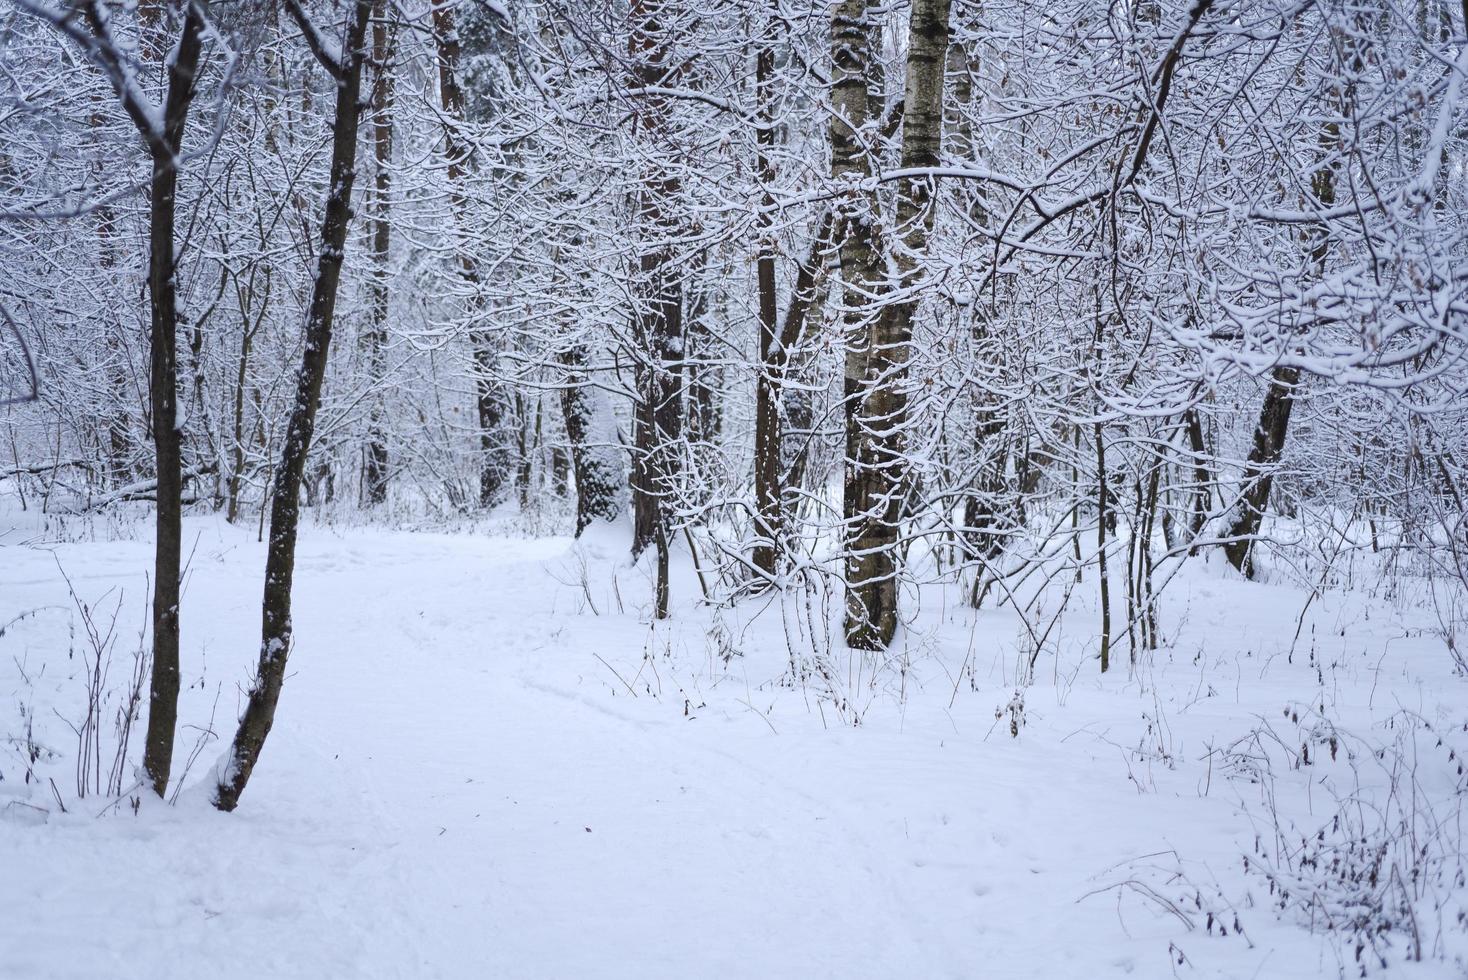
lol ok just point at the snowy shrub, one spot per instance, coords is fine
(1384, 873)
(99, 700)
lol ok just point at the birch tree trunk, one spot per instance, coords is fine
(878, 468)
(852, 64)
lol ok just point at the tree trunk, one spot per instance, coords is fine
(1264, 456)
(1103, 519)
(489, 400)
(878, 467)
(853, 63)
(1274, 416)
(275, 638)
(702, 375)
(772, 476)
(237, 433)
(596, 458)
(1202, 496)
(658, 318)
(489, 406)
(769, 525)
(658, 422)
(375, 462)
(163, 381)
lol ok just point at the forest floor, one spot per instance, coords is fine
(488, 763)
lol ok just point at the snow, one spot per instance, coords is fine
(474, 775)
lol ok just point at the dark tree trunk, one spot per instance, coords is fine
(495, 465)
(771, 475)
(595, 457)
(658, 326)
(561, 470)
(1264, 456)
(1274, 415)
(489, 406)
(983, 509)
(280, 560)
(249, 328)
(163, 381)
(528, 428)
(375, 462)
(658, 422)
(1202, 496)
(1103, 519)
(769, 523)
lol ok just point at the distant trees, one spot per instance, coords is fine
(846, 298)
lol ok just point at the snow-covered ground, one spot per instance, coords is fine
(488, 763)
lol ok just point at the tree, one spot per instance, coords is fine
(345, 68)
(376, 465)
(878, 470)
(162, 132)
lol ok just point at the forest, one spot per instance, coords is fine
(863, 488)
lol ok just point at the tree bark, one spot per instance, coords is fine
(878, 467)
(163, 382)
(772, 477)
(375, 463)
(1264, 456)
(1202, 495)
(1103, 521)
(852, 66)
(658, 319)
(275, 638)
(489, 400)
(596, 458)
(767, 468)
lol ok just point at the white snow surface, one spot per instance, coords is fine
(473, 774)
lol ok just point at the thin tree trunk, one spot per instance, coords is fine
(1102, 519)
(163, 380)
(774, 472)
(490, 412)
(702, 373)
(375, 464)
(528, 429)
(1202, 496)
(767, 417)
(280, 560)
(494, 468)
(658, 320)
(247, 342)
